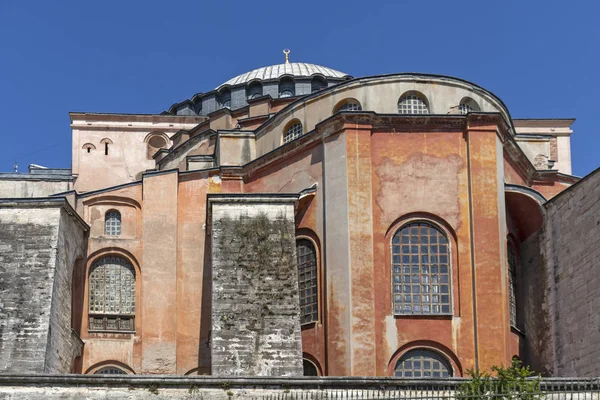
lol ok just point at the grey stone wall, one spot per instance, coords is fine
(37, 244)
(561, 275)
(255, 307)
(24, 186)
(137, 387)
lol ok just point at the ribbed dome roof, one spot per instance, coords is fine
(276, 71)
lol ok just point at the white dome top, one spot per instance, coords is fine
(276, 71)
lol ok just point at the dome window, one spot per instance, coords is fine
(254, 90)
(468, 105)
(317, 84)
(412, 103)
(287, 88)
(225, 99)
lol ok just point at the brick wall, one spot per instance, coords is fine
(37, 244)
(255, 308)
(561, 268)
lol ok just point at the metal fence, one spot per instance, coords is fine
(531, 389)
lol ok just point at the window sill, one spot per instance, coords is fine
(109, 331)
(424, 316)
(308, 325)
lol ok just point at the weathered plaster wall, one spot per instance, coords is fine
(38, 248)
(561, 281)
(23, 188)
(255, 306)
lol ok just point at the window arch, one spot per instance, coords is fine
(254, 90)
(154, 143)
(512, 282)
(293, 131)
(88, 147)
(112, 295)
(287, 87)
(467, 105)
(348, 105)
(317, 84)
(422, 363)
(421, 270)
(112, 223)
(307, 281)
(111, 370)
(310, 369)
(106, 142)
(413, 103)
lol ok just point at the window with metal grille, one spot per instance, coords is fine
(350, 105)
(412, 104)
(310, 369)
(307, 281)
(464, 108)
(512, 283)
(421, 270)
(422, 363)
(293, 131)
(110, 371)
(112, 295)
(112, 223)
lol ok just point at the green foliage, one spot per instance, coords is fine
(516, 382)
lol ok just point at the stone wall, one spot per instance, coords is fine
(137, 387)
(561, 280)
(39, 241)
(25, 186)
(255, 306)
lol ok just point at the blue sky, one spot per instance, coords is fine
(541, 57)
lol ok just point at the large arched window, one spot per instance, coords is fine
(348, 105)
(110, 371)
(512, 283)
(154, 143)
(421, 270)
(422, 363)
(307, 281)
(112, 295)
(412, 103)
(112, 223)
(293, 131)
(310, 369)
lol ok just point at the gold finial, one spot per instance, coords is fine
(287, 56)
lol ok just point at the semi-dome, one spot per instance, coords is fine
(294, 69)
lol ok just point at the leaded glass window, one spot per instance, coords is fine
(110, 371)
(113, 223)
(412, 104)
(112, 295)
(307, 281)
(421, 270)
(294, 131)
(422, 363)
(512, 284)
(350, 106)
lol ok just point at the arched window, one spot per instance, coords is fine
(467, 105)
(422, 363)
(106, 142)
(254, 90)
(348, 105)
(110, 371)
(310, 369)
(112, 295)
(292, 131)
(421, 270)
(317, 84)
(512, 283)
(112, 223)
(412, 103)
(287, 87)
(307, 281)
(88, 147)
(225, 99)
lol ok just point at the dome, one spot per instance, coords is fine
(277, 71)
